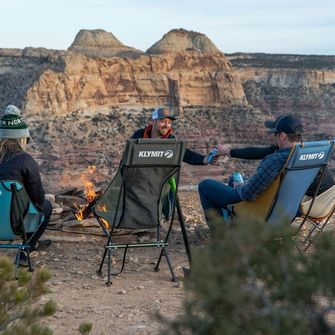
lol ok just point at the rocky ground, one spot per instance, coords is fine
(130, 304)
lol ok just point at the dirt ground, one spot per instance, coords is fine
(127, 306)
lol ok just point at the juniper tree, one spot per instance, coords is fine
(252, 279)
(20, 308)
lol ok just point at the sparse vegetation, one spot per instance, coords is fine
(20, 309)
(251, 279)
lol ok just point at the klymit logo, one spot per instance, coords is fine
(168, 154)
(155, 154)
(318, 155)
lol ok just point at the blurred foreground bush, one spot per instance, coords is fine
(20, 309)
(252, 279)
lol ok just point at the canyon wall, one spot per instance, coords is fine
(82, 107)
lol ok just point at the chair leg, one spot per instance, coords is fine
(109, 265)
(30, 269)
(99, 271)
(168, 260)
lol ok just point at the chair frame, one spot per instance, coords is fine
(307, 241)
(158, 243)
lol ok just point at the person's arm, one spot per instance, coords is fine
(194, 158)
(139, 133)
(252, 152)
(267, 171)
(32, 180)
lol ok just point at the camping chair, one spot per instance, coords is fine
(280, 202)
(18, 216)
(133, 200)
(317, 212)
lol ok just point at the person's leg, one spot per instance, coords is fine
(215, 195)
(47, 210)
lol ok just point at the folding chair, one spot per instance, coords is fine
(18, 216)
(133, 200)
(280, 202)
(317, 214)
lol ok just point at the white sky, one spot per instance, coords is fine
(273, 26)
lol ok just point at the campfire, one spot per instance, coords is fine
(91, 195)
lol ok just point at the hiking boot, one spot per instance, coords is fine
(21, 259)
(41, 245)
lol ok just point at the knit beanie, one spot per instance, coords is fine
(12, 124)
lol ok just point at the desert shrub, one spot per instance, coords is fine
(20, 309)
(252, 279)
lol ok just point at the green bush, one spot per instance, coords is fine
(20, 309)
(252, 279)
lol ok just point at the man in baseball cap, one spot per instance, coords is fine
(162, 113)
(288, 124)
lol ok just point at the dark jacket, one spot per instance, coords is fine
(190, 157)
(260, 152)
(23, 168)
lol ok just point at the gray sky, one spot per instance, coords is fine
(273, 26)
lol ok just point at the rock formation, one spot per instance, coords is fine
(179, 40)
(81, 108)
(99, 43)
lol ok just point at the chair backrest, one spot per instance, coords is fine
(322, 206)
(132, 200)
(14, 205)
(280, 201)
(304, 163)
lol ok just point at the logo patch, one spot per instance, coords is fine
(156, 154)
(306, 157)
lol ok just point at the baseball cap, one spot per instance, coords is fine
(162, 113)
(288, 124)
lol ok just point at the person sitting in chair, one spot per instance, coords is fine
(17, 164)
(215, 195)
(161, 127)
(261, 152)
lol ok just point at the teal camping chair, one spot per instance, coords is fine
(280, 202)
(18, 216)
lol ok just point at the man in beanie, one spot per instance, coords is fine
(17, 164)
(215, 195)
(161, 127)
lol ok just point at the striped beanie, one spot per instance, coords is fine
(12, 125)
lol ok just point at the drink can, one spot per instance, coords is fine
(211, 155)
(237, 177)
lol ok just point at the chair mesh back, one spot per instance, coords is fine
(146, 167)
(292, 190)
(301, 169)
(12, 208)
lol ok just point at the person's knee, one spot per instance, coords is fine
(47, 208)
(203, 186)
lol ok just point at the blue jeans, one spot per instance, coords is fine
(215, 195)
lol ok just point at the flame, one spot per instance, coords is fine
(89, 187)
(102, 208)
(105, 223)
(89, 190)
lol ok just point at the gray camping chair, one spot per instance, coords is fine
(280, 202)
(133, 198)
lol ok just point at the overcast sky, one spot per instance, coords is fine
(272, 26)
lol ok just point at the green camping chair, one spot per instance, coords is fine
(149, 169)
(18, 216)
(281, 201)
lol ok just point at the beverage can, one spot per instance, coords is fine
(211, 155)
(237, 177)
